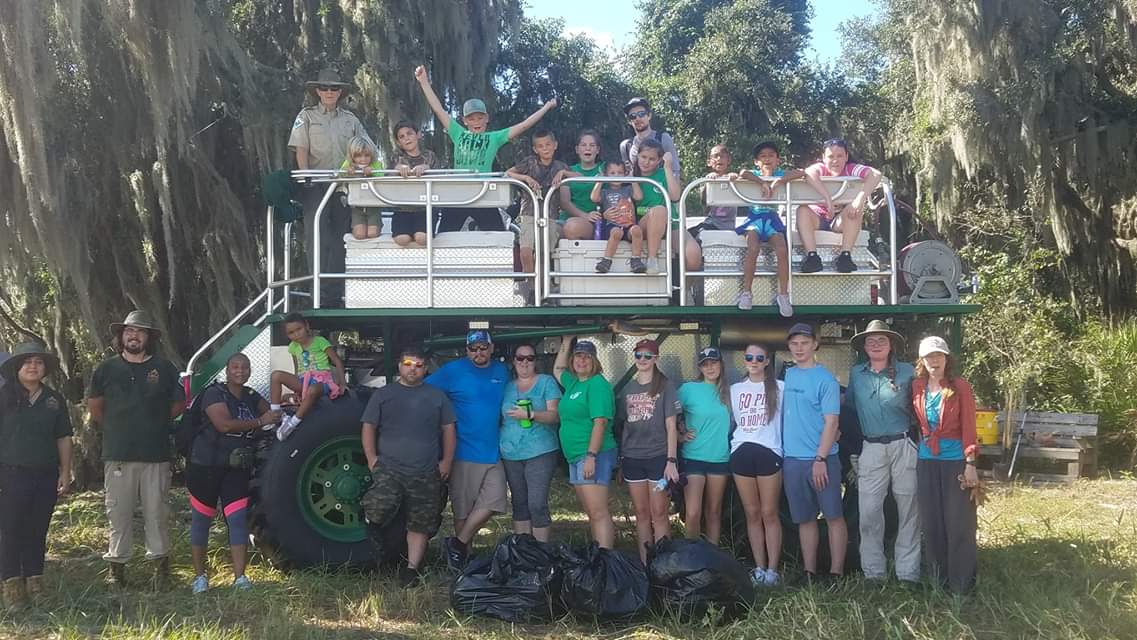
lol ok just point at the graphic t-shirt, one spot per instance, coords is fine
(212, 447)
(475, 150)
(752, 422)
(476, 393)
(612, 196)
(644, 416)
(580, 193)
(312, 358)
(517, 442)
(28, 432)
(137, 398)
(709, 418)
(409, 423)
(583, 402)
(811, 393)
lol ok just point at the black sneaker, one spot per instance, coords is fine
(844, 263)
(456, 553)
(603, 265)
(409, 577)
(637, 265)
(811, 264)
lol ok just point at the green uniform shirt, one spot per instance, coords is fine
(583, 401)
(325, 134)
(653, 197)
(136, 407)
(476, 150)
(580, 193)
(883, 409)
(28, 433)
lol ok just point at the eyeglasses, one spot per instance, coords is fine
(325, 87)
(644, 355)
(525, 358)
(754, 357)
(635, 115)
(413, 363)
(479, 348)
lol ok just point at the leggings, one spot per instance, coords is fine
(207, 486)
(27, 500)
(529, 482)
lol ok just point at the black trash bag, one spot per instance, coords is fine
(604, 583)
(688, 575)
(519, 582)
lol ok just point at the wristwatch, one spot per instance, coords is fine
(672, 460)
(590, 454)
(819, 458)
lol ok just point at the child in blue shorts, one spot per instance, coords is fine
(763, 224)
(617, 202)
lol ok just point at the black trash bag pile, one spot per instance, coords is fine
(520, 581)
(689, 575)
(603, 583)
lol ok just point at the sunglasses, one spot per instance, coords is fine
(413, 363)
(835, 142)
(644, 355)
(635, 115)
(479, 348)
(754, 357)
(324, 87)
(525, 358)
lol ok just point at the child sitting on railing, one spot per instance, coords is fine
(763, 224)
(651, 212)
(846, 220)
(542, 172)
(320, 370)
(409, 226)
(361, 162)
(721, 218)
(617, 201)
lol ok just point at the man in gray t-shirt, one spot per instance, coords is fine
(404, 425)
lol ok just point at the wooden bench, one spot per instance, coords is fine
(1053, 438)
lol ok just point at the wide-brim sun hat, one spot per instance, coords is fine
(878, 327)
(934, 344)
(137, 318)
(328, 78)
(24, 351)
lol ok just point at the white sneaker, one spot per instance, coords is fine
(243, 583)
(784, 307)
(745, 301)
(287, 427)
(758, 577)
(772, 578)
(653, 265)
(200, 584)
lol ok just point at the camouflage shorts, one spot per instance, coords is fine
(421, 495)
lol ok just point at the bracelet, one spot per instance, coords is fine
(819, 458)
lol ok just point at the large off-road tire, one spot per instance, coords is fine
(306, 492)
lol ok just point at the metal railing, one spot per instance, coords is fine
(547, 255)
(790, 202)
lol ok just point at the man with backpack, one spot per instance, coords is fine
(638, 113)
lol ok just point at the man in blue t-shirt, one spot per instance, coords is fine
(810, 408)
(476, 388)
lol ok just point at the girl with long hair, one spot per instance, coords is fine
(706, 446)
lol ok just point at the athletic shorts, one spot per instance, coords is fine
(605, 465)
(688, 467)
(475, 486)
(766, 224)
(606, 229)
(391, 490)
(805, 500)
(408, 223)
(325, 379)
(643, 469)
(369, 217)
(825, 218)
(753, 460)
(208, 485)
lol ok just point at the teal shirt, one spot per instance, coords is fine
(950, 449)
(517, 442)
(709, 418)
(882, 408)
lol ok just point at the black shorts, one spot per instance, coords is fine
(643, 469)
(408, 223)
(753, 460)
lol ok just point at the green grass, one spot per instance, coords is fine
(1055, 562)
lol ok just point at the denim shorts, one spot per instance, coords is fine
(690, 467)
(605, 464)
(805, 500)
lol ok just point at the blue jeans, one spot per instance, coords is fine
(529, 482)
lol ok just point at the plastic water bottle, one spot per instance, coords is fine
(525, 404)
(596, 227)
(660, 485)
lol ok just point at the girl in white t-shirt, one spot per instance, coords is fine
(756, 459)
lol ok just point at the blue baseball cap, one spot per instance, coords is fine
(801, 329)
(585, 346)
(710, 353)
(478, 336)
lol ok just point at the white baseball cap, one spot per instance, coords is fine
(934, 344)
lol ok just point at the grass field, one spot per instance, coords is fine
(1055, 562)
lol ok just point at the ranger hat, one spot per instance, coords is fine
(23, 352)
(878, 327)
(327, 78)
(137, 318)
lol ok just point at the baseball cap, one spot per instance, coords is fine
(636, 102)
(934, 344)
(710, 353)
(801, 329)
(478, 336)
(585, 346)
(647, 345)
(474, 105)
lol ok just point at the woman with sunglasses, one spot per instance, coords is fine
(529, 447)
(586, 412)
(756, 459)
(706, 445)
(649, 444)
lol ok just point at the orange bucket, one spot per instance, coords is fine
(987, 426)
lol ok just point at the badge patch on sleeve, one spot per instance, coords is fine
(299, 123)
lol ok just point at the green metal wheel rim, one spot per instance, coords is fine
(329, 487)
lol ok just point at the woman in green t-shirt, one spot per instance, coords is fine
(578, 212)
(586, 412)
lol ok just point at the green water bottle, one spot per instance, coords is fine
(527, 405)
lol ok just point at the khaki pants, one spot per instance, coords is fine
(126, 484)
(882, 465)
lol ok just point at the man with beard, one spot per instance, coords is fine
(133, 397)
(638, 112)
(475, 386)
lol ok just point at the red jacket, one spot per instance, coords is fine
(957, 416)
